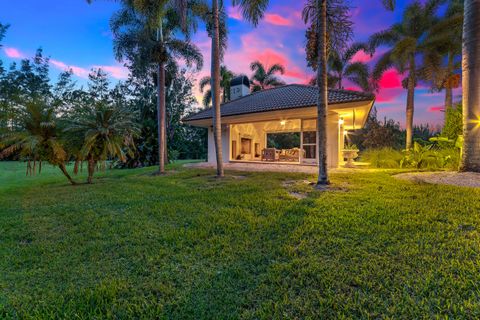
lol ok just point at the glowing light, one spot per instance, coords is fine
(341, 121)
(283, 122)
(345, 132)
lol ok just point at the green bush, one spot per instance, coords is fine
(420, 157)
(382, 157)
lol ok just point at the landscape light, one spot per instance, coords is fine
(283, 122)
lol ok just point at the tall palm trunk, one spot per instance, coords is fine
(91, 169)
(471, 86)
(161, 116)
(161, 106)
(410, 104)
(66, 174)
(322, 102)
(448, 87)
(215, 88)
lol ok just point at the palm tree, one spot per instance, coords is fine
(264, 77)
(37, 140)
(226, 78)
(3, 30)
(252, 10)
(107, 132)
(442, 41)
(471, 86)
(340, 68)
(407, 40)
(330, 30)
(145, 32)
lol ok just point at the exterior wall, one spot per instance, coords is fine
(255, 131)
(333, 141)
(212, 158)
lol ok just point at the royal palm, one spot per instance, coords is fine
(406, 41)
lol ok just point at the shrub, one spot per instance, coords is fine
(382, 157)
(420, 157)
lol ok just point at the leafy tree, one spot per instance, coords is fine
(453, 122)
(37, 138)
(227, 77)
(378, 134)
(407, 41)
(264, 77)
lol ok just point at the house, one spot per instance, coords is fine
(279, 124)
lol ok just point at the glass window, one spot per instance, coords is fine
(310, 151)
(285, 140)
(309, 137)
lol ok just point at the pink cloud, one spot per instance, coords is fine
(13, 53)
(391, 80)
(117, 72)
(361, 56)
(436, 109)
(234, 13)
(277, 20)
(389, 95)
(78, 71)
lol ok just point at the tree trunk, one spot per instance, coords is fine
(322, 102)
(471, 86)
(410, 104)
(65, 172)
(91, 170)
(75, 167)
(161, 107)
(215, 88)
(448, 87)
(161, 117)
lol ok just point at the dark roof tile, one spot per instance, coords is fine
(284, 97)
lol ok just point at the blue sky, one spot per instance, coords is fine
(76, 35)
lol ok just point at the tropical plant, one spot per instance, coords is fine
(264, 77)
(106, 130)
(407, 41)
(226, 78)
(333, 28)
(36, 139)
(145, 32)
(471, 87)
(429, 156)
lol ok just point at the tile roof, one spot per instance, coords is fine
(284, 97)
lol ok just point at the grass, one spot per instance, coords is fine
(189, 246)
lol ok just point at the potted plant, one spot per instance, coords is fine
(350, 152)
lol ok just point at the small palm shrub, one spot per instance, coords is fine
(106, 131)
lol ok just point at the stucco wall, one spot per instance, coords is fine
(212, 158)
(256, 132)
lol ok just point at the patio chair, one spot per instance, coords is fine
(270, 154)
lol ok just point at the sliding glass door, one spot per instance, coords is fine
(309, 146)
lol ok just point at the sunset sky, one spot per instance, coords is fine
(76, 35)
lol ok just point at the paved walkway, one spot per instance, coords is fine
(242, 166)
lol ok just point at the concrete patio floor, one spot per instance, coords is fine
(274, 167)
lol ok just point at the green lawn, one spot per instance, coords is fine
(188, 246)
